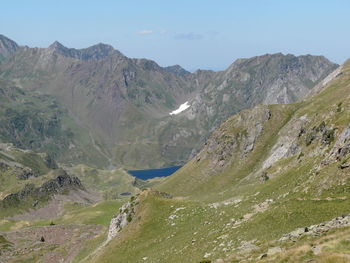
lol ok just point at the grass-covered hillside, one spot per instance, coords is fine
(38, 122)
(111, 184)
(264, 173)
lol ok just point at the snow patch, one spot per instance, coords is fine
(182, 107)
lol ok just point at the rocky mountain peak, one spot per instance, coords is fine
(99, 51)
(56, 45)
(177, 70)
(7, 47)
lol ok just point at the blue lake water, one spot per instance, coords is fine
(151, 173)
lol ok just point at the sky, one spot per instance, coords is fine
(205, 34)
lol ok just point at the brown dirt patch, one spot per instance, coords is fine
(61, 243)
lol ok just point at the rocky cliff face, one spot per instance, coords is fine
(226, 146)
(268, 79)
(125, 103)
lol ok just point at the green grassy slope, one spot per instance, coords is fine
(112, 184)
(18, 168)
(263, 173)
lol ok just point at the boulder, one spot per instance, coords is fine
(274, 250)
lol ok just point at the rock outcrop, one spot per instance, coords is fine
(233, 142)
(341, 147)
(287, 144)
(58, 185)
(316, 230)
(123, 218)
(26, 173)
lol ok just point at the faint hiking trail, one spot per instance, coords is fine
(111, 166)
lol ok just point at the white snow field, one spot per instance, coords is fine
(182, 107)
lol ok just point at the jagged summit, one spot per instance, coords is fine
(98, 51)
(56, 45)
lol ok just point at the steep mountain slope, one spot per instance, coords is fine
(38, 122)
(268, 79)
(7, 47)
(266, 177)
(266, 134)
(125, 103)
(120, 100)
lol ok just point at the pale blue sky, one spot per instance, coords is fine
(208, 34)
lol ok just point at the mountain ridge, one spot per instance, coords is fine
(94, 52)
(125, 103)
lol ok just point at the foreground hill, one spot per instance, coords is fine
(121, 106)
(270, 185)
(49, 214)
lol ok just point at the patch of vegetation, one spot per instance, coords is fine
(4, 244)
(110, 183)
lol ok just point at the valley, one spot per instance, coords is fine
(105, 158)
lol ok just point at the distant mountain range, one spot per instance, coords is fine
(112, 110)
